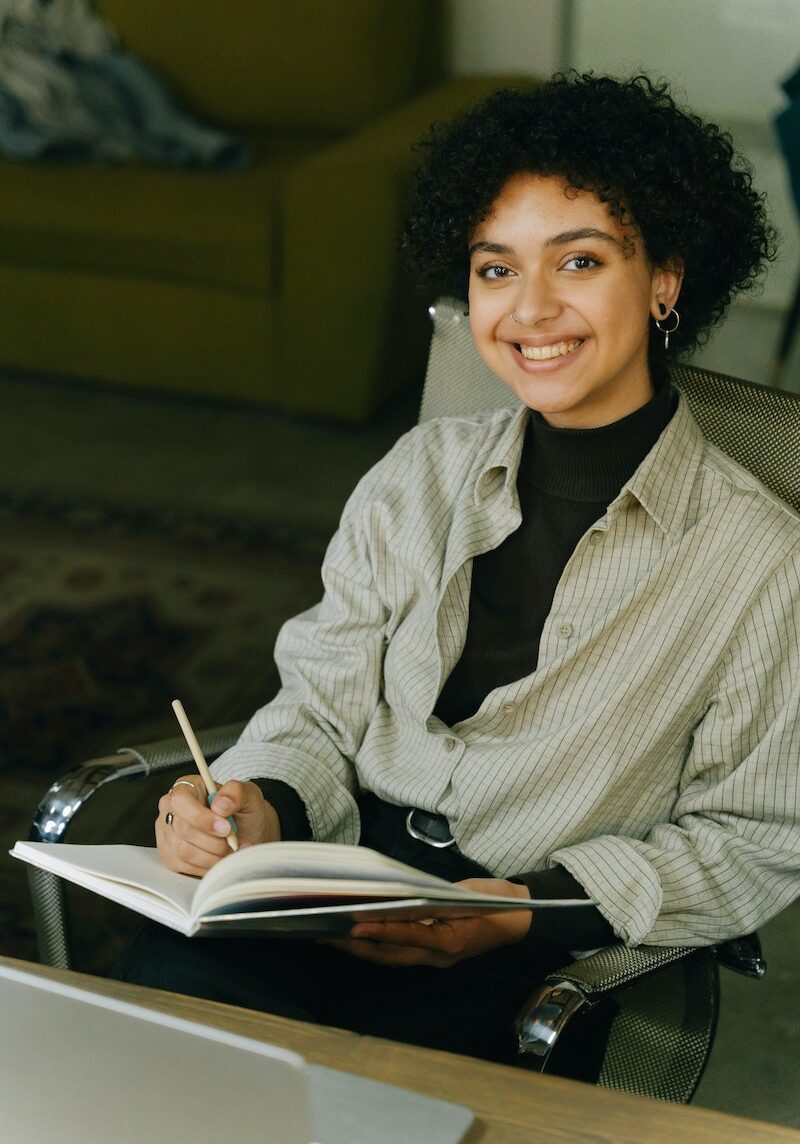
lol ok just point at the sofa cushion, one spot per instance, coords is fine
(198, 226)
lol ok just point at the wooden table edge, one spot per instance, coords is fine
(510, 1105)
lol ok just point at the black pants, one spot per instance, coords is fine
(468, 1008)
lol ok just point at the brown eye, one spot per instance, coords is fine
(493, 273)
(581, 262)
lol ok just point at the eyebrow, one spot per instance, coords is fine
(563, 239)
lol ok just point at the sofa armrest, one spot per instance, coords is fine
(348, 310)
(390, 137)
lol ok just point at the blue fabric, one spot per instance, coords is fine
(787, 125)
(100, 105)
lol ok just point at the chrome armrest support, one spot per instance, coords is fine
(578, 987)
(50, 823)
(58, 808)
(743, 955)
(68, 794)
(543, 1018)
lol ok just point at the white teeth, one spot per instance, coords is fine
(544, 353)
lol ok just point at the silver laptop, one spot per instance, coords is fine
(81, 1068)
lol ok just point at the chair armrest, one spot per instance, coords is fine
(57, 810)
(69, 793)
(612, 968)
(657, 1010)
(743, 955)
(579, 986)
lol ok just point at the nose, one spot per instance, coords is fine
(535, 301)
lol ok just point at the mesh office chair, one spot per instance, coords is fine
(665, 999)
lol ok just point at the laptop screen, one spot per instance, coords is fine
(82, 1068)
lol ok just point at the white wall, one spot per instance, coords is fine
(726, 59)
(505, 36)
(727, 56)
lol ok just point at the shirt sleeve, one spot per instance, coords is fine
(289, 808)
(330, 660)
(729, 858)
(568, 927)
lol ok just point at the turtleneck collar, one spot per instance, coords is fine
(593, 464)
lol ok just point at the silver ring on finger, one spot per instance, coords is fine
(182, 782)
(168, 818)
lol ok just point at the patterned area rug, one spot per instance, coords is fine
(107, 614)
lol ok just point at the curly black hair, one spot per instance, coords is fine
(675, 179)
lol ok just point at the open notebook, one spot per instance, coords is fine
(300, 889)
(81, 1068)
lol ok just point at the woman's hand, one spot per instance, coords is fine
(197, 835)
(447, 941)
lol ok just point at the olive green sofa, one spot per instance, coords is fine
(280, 283)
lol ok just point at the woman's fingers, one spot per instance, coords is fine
(381, 953)
(419, 934)
(185, 829)
(188, 837)
(196, 835)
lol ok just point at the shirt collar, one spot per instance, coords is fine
(662, 484)
(499, 469)
(592, 465)
(664, 481)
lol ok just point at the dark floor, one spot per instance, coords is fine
(255, 465)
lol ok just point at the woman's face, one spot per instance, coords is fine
(560, 300)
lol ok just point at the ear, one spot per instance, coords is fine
(665, 288)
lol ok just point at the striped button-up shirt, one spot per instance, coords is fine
(655, 750)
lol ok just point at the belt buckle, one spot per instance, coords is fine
(426, 838)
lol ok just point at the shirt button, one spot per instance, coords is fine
(565, 630)
(508, 707)
(595, 538)
(449, 744)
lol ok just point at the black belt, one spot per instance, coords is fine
(430, 828)
(384, 827)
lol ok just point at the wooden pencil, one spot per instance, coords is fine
(200, 762)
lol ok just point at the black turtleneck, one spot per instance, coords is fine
(566, 481)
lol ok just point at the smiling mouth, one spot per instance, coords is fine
(546, 353)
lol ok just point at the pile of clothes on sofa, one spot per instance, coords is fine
(68, 91)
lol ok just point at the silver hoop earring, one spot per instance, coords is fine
(672, 313)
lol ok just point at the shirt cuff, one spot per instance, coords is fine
(289, 807)
(564, 927)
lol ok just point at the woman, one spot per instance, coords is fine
(564, 638)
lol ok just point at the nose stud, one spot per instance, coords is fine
(514, 318)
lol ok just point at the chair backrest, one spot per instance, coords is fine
(663, 1030)
(757, 426)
